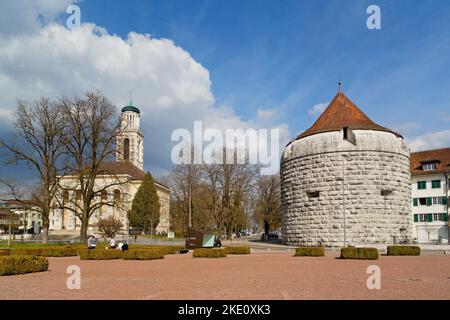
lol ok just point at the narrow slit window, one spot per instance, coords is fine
(313, 194)
(345, 132)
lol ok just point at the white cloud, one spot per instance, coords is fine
(317, 109)
(169, 86)
(430, 140)
(265, 114)
(26, 16)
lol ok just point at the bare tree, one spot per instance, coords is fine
(213, 196)
(91, 131)
(109, 227)
(185, 181)
(217, 193)
(38, 141)
(236, 182)
(267, 206)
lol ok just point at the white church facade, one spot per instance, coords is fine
(121, 180)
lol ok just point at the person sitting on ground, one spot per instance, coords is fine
(92, 242)
(112, 244)
(122, 246)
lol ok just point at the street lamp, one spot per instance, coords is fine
(190, 204)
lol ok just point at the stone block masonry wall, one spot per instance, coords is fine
(371, 217)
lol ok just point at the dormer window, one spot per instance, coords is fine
(429, 166)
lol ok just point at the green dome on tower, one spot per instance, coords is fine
(132, 108)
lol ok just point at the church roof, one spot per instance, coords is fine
(125, 168)
(122, 167)
(131, 108)
(342, 112)
(440, 156)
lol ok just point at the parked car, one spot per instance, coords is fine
(278, 232)
(273, 235)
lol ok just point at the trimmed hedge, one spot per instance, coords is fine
(10, 265)
(403, 251)
(100, 254)
(209, 253)
(111, 254)
(142, 254)
(309, 252)
(44, 252)
(164, 249)
(359, 253)
(237, 250)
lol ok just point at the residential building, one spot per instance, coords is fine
(430, 174)
(24, 213)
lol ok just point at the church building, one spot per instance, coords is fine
(124, 176)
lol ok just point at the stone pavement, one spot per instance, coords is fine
(260, 276)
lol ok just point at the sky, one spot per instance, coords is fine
(233, 63)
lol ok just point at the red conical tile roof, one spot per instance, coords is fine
(342, 112)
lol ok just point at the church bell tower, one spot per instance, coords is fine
(130, 140)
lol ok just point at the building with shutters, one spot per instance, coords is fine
(430, 174)
(345, 179)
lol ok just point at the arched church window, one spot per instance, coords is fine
(104, 195)
(116, 197)
(65, 204)
(126, 149)
(139, 150)
(104, 199)
(65, 197)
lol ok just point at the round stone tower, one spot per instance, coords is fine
(345, 179)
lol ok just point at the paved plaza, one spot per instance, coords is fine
(261, 275)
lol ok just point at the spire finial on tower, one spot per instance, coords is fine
(340, 83)
(131, 97)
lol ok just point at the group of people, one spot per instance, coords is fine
(92, 244)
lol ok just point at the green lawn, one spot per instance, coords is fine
(100, 245)
(40, 245)
(164, 238)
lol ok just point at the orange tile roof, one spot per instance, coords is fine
(342, 112)
(442, 156)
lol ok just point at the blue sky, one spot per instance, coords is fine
(288, 54)
(252, 63)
